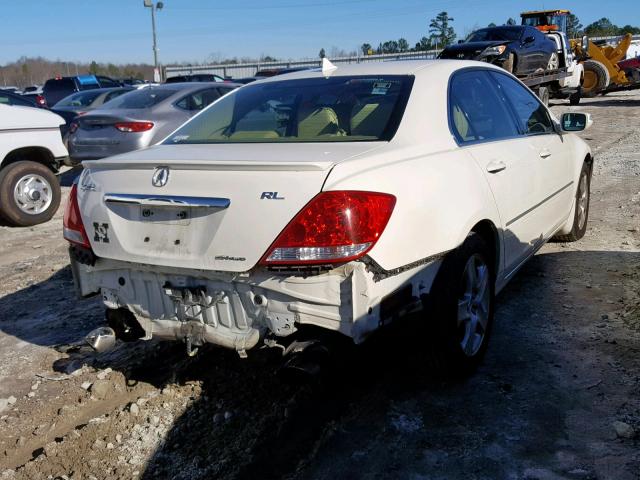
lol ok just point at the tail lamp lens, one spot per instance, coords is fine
(134, 127)
(334, 227)
(73, 127)
(73, 229)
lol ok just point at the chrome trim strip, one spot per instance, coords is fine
(31, 129)
(539, 204)
(166, 200)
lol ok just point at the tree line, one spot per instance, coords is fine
(442, 33)
(28, 71)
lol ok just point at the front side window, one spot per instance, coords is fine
(476, 112)
(531, 113)
(334, 109)
(139, 99)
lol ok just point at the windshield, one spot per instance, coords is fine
(336, 109)
(82, 99)
(139, 99)
(495, 34)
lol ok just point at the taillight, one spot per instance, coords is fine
(40, 101)
(73, 229)
(73, 127)
(333, 227)
(134, 126)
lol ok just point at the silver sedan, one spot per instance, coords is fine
(140, 118)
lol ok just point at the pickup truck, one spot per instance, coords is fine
(31, 151)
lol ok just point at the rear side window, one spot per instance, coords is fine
(199, 100)
(114, 94)
(476, 112)
(532, 115)
(81, 99)
(139, 99)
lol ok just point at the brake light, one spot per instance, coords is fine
(334, 227)
(73, 229)
(134, 127)
(73, 127)
(40, 101)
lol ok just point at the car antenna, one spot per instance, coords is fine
(327, 67)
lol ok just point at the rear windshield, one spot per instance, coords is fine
(335, 109)
(82, 99)
(495, 34)
(138, 99)
(60, 85)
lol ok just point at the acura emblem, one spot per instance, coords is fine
(160, 177)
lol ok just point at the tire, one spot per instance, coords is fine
(460, 335)
(509, 63)
(543, 95)
(596, 78)
(29, 193)
(581, 214)
(554, 62)
(574, 98)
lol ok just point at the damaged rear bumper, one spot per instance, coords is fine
(237, 310)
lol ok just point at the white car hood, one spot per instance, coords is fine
(14, 117)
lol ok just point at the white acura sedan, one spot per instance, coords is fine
(335, 199)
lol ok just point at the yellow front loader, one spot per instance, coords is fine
(601, 70)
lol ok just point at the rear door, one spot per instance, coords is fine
(549, 155)
(483, 124)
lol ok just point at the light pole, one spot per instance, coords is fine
(154, 6)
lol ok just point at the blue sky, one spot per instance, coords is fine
(119, 31)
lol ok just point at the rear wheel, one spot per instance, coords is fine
(509, 63)
(596, 78)
(29, 193)
(543, 94)
(462, 309)
(554, 62)
(581, 215)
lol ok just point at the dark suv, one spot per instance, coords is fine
(55, 89)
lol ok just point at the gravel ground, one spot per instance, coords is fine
(558, 396)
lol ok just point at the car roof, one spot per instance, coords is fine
(505, 27)
(394, 67)
(184, 86)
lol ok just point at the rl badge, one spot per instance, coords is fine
(101, 232)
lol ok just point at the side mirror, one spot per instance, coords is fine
(530, 39)
(576, 122)
(585, 44)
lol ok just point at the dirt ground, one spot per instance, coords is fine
(558, 396)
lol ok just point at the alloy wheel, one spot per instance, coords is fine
(582, 201)
(473, 305)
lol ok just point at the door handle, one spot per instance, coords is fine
(545, 154)
(496, 166)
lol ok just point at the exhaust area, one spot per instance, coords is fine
(101, 339)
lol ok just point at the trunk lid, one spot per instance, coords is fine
(221, 207)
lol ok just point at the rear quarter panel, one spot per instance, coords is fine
(440, 197)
